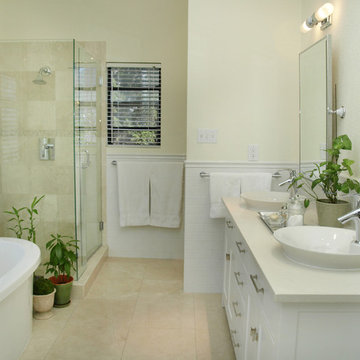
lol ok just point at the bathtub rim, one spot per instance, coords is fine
(23, 269)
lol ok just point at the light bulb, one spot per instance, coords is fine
(324, 11)
(304, 27)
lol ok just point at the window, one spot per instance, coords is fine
(134, 104)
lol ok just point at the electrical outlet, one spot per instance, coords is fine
(208, 136)
(253, 152)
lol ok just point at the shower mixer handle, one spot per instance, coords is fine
(47, 149)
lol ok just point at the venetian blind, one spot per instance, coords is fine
(134, 104)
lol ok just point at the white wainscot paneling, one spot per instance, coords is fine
(142, 241)
(204, 237)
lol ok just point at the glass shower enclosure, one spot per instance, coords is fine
(50, 140)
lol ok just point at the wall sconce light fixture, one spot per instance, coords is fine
(322, 16)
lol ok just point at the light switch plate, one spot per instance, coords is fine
(207, 136)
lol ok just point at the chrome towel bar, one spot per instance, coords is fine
(204, 174)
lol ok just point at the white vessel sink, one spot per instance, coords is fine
(320, 246)
(265, 200)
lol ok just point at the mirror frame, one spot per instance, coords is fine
(330, 118)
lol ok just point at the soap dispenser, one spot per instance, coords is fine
(295, 211)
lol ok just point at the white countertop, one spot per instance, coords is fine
(289, 281)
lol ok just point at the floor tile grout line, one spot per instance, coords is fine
(61, 330)
(133, 314)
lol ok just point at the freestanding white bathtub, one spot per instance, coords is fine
(18, 260)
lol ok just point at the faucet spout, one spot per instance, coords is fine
(290, 180)
(353, 216)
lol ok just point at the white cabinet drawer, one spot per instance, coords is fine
(261, 291)
(238, 315)
(260, 341)
(249, 274)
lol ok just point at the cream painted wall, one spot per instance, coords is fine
(134, 30)
(346, 60)
(243, 78)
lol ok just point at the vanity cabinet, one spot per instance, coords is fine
(300, 319)
(243, 299)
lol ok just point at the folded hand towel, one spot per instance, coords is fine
(166, 182)
(258, 181)
(133, 193)
(221, 185)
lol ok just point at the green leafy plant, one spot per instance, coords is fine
(17, 222)
(327, 174)
(62, 256)
(42, 286)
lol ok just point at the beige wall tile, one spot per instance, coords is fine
(40, 115)
(15, 179)
(64, 154)
(65, 208)
(62, 54)
(64, 116)
(11, 56)
(64, 84)
(37, 92)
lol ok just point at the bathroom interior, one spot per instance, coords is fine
(152, 290)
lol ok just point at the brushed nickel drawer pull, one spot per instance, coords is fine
(238, 244)
(253, 279)
(234, 304)
(254, 334)
(233, 332)
(229, 225)
(237, 279)
(227, 256)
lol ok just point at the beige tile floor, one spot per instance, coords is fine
(135, 309)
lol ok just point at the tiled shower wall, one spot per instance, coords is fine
(29, 112)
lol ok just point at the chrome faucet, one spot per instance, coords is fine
(354, 216)
(291, 180)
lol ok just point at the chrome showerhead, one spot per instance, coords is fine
(44, 71)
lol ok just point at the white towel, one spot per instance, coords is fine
(258, 181)
(166, 181)
(221, 185)
(133, 193)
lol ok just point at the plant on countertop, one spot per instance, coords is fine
(16, 221)
(62, 257)
(327, 175)
(42, 286)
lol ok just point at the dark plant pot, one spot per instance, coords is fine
(63, 285)
(328, 212)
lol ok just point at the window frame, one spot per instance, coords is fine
(110, 126)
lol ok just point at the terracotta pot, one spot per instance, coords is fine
(328, 212)
(63, 286)
(42, 305)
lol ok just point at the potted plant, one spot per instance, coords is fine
(62, 258)
(327, 176)
(43, 298)
(16, 221)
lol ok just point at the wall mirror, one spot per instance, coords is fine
(316, 123)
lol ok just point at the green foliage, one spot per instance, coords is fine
(327, 174)
(42, 286)
(62, 255)
(143, 137)
(17, 220)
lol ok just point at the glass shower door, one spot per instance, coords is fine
(87, 154)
